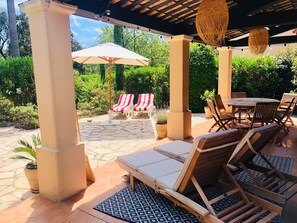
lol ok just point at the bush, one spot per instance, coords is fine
(203, 75)
(17, 80)
(263, 76)
(5, 107)
(140, 80)
(25, 117)
(161, 88)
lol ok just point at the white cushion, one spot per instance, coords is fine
(168, 181)
(161, 168)
(139, 159)
(174, 149)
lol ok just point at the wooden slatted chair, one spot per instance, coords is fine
(145, 104)
(282, 115)
(286, 98)
(203, 168)
(124, 105)
(272, 183)
(220, 106)
(264, 113)
(222, 121)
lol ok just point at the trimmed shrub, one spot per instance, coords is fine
(161, 89)
(140, 80)
(17, 80)
(203, 75)
(262, 76)
(5, 106)
(25, 117)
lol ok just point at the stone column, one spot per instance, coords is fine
(225, 70)
(179, 118)
(61, 166)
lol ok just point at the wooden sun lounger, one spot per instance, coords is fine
(203, 167)
(273, 184)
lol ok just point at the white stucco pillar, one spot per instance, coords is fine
(179, 124)
(225, 70)
(61, 166)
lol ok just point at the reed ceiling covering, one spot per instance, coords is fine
(174, 17)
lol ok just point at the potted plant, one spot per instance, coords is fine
(28, 152)
(161, 124)
(207, 95)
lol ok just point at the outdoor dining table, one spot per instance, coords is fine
(246, 103)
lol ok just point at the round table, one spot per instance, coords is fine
(246, 103)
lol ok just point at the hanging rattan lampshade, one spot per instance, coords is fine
(212, 21)
(258, 40)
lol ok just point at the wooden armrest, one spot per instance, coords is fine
(231, 167)
(188, 202)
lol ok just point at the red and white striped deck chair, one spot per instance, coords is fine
(145, 104)
(124, 105)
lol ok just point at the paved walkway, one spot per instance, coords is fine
(102, 143)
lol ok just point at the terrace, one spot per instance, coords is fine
(50, 33)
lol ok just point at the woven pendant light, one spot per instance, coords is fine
(212, 21)
(258, 40)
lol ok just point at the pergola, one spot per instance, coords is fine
(61, 164)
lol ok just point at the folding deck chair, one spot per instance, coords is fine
(282, 186)
(124, 105)
(202, 168)
(271, 184)
(145, 104)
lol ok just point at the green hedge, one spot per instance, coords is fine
(25, 116)
(263, 76)
(203, 74)
(148, 80)
(17, 80)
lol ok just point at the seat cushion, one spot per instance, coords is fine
(143, 158)
(177, 149)
(159, 169)
(168, 180)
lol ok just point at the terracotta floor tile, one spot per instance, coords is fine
(109, 180)
(81, 217)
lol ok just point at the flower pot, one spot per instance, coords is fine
(32, 176)
(207, 112)
(161, 130)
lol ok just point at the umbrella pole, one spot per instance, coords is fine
(110, 89)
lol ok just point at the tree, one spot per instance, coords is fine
(13, 34)
(24, 34)
(102, 72)
(3, 33)
(118, 39)
(144, 43)
(75, 46)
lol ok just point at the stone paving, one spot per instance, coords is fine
(102, 143)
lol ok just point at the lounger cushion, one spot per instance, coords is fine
(168, 181)
(143, 158)
(178, 149)
(125, 101)
(159, 169)
(145, 101)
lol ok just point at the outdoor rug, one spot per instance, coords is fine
(144, 205)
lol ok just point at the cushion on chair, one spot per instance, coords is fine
(143, 158)
(168, 181)
(177, 149)
(159, 169)
(125, 101)
(144, 102)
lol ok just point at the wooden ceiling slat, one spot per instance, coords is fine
(149, 3)
(133, 4)
(158, 6)
(178, 9)
(182, 14)
(167, 9)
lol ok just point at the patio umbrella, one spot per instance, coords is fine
(109, 53)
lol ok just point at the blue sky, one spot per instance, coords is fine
(85, 31)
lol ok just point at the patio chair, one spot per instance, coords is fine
(221, 120)
(264, 113)
(282, 115)
(145, 104)
(202, 169)
(124, 105)
(238, 94)
(286, 98)
(267, 181)
(220, 106)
